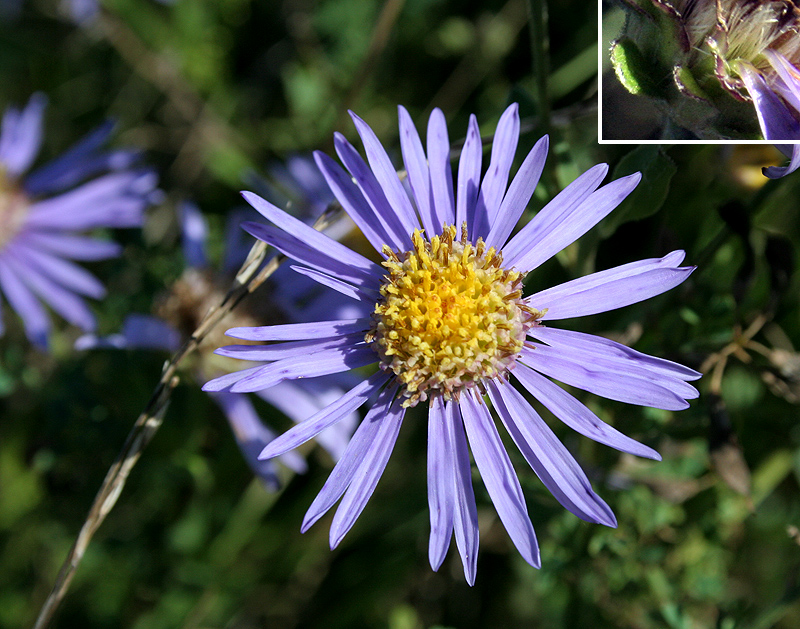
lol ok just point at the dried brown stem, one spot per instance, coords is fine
(247, 280)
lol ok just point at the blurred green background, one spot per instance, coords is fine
(215, 89)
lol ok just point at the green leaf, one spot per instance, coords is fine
(657, 171)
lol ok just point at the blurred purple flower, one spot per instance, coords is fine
(293, 297)
(86, 188)
(450, 325)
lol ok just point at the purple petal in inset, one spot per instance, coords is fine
(775, 118)
(499, 477)
(576, 415)
(548, 457)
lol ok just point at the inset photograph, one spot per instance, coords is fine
(719, 70)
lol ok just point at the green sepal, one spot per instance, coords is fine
(631, 68)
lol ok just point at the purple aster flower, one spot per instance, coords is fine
(450, 325)
(43, 212)
(181, 311)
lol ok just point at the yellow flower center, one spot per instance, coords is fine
(449, 316)
(13, 209)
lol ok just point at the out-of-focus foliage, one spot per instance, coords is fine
(213, 89)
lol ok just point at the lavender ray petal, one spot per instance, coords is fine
(591, 345)
(300, 399)
(62, 175)
(576, 415)
(418, 171)
(224, 383)
(354, 203)
(320, 259)
(64, 272)
(252, 436)
(308, 366)
(626, 369)
(300, 331)
(441, 484)
(386, 174)
(469, 176)
(114, 200)
(312, 238)
(345, 469)
(600, 278)
(550, 217)
(397, 229)
(138, 332)
(495, 180)
(20, 298)
(499, 477)
(288, 349)
(465, 513)
(194, 232)
(368, 473)
(363, 295)
(441, 173)
(596, 379)
(547, 456)
(334, 412)
(70, 246)
(22, 135)
(519, 194)
(79, 162)
(612, 294)
(572, 223)
(62, 301)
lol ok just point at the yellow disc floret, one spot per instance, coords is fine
(449, 315)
